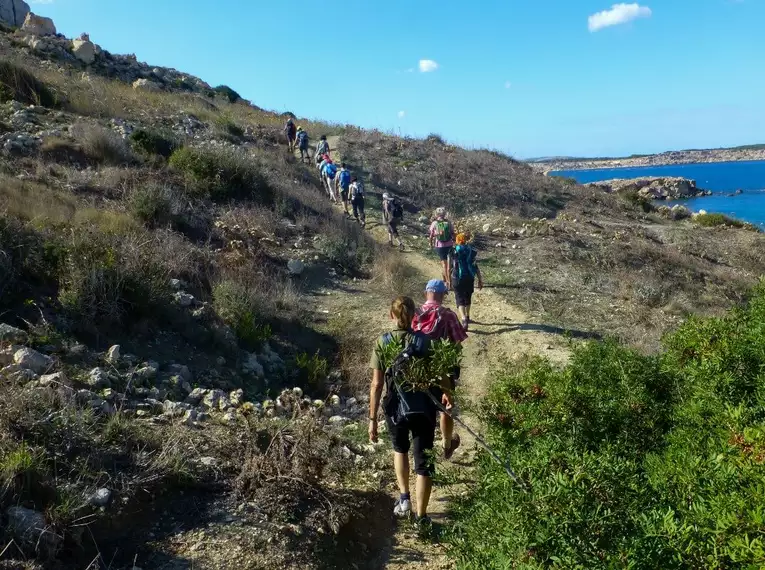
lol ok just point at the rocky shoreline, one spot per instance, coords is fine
(653, 187)
(662, 159)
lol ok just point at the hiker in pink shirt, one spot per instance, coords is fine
(441, 235)
(440, 323)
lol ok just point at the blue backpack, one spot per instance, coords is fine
(345, 179)
(330, 170)
(464, 262)
(302, 138)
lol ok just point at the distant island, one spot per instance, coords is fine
(692, 156)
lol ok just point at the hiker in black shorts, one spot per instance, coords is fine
(466, 275)
(421, 426)
(393, 214)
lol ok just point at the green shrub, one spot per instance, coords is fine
(152, 143)
(346, 247)
(229, 128)
(228, 93)
(313, 369)
(19, 84)
(632, 197)
(242, 309)
(222, 175)
(632, 461)
(714, 220)
(152, 203)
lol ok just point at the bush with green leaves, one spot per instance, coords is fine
(152, 203)
(715, 220)
(242, 309)
(228, 93)
(152, 143)
(222, 175)
(346, 247)
(631, 461)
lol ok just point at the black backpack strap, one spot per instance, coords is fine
(387, 338)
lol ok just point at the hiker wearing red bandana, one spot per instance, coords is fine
(440, 323)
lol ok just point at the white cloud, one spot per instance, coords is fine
(428, 65)
(401, 114)
(618, 14)
(508, 85)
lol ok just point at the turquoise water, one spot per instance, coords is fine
(722, 178)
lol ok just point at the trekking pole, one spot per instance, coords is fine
(505, 465)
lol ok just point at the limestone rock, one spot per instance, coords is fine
(84, 50)
(55, 379)
(98, 378)
(12, 334)
(30, 528)
(196, 396)
(33, 360)
(13, 12)
(338, 420)
(295, 267)
(113, 354)
(212, 398)
(653, 187)
(100, 498)
(184, 299)
(236, 397)
(146, 85)
(38, 25)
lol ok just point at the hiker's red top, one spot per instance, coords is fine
(438, 322)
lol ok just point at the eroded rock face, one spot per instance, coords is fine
(84, 50)
(13, 12)
(653, 187)
(38, 25)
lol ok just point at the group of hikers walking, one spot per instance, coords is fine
(412, 425)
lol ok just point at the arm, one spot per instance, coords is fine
(479, 277)
(375, 395)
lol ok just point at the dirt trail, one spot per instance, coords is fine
(499, 332)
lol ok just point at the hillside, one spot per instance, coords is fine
(186, 320)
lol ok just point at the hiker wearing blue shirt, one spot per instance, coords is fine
(465, 272)
(344, 185)
(302, 143)
(329, 173)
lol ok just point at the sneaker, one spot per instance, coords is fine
(455, 443)
(465, 324)
(401, 247)
(403, 508)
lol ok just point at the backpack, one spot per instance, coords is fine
(463, 263)
(401, 404)
(443, 231)
(330, 170)
(345, 179)
(302, 138)
(357, 190)
(396, 210)
(323, 148)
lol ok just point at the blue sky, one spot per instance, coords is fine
(528, 77)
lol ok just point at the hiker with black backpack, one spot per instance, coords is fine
(356, 197)
(407, 412)
(393, 214)
(291, 133)
(441, 235)
(466, 275)
(302, 142)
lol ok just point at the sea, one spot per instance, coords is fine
(722, 178)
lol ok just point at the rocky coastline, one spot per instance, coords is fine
(653, 187)
(662, 159)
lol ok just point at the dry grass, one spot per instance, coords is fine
(102, 145)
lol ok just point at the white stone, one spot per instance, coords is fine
(84, 50)
(113, 354)
(101, 497)
(486, 227)
(32, 360)
(236, 397)
(334, 401)
(298, 392)
(212, 399)
(295, 267)
(57, 378)
(338, 420)
(98, 378)
(146, 85)
(184, 299)
(38, 25)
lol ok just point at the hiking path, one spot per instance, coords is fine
(498, 334)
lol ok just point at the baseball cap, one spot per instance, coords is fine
(436, 286)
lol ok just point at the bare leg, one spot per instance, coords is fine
(401, 465)
(424, 487)
(466, 310)
(447, 430)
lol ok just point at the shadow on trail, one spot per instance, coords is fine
(549, 329)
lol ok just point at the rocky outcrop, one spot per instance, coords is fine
(146, 85)
(38, 25)
(84, 50)
(653, 187)
(13, 12)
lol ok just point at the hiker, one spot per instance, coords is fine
(393, 213)
(442, 240)
(291, 133)
(322, 148)
(440, 323)
(344, 186)
(420, 421)
(329, 173)
(302, 142)
(356, 197)
(325, 160)
(465, 271)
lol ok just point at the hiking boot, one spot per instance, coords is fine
(455, 443)
(465, 324)
(401, 247)
(403, 508)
